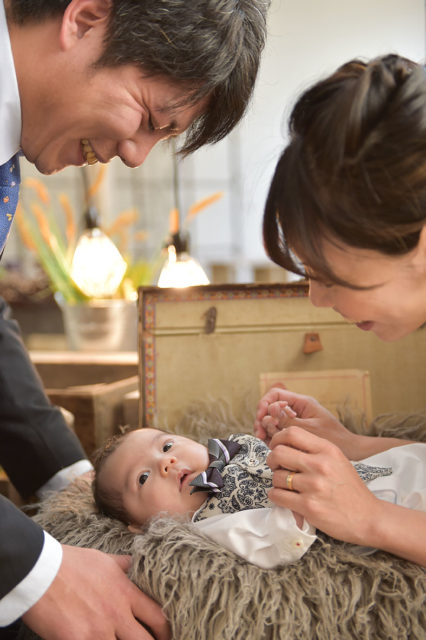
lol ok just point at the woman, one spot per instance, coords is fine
(347, 208)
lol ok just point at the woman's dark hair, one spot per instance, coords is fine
(210, 48)
(354, 171)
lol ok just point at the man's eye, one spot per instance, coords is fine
(167, 446)
(143, 477)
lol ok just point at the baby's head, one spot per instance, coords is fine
(144, 472)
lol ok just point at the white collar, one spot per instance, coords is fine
(10, 105)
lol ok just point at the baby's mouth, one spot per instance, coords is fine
(88, 152)
(182, 478)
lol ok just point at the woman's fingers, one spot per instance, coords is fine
(301, 440)
(286, 479)
(273, 395)
(314, 478)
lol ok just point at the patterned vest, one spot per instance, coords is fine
(247, 479)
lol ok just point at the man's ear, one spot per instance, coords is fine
(80, 17)
(134, 528)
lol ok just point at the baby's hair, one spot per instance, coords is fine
(108, 501)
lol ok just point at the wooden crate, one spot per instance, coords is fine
(92, 387)
(215, 342)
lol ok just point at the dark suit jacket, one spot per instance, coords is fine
(35, 443)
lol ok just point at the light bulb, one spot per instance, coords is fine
(97, 265)
(181, 270)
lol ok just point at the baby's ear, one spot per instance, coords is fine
(134, 528)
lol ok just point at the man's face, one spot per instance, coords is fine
(151, 470)
(117, 110)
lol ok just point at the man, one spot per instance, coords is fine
(84, 81)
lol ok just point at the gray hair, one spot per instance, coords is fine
(211, 48)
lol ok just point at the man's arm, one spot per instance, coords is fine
(36, 442)
(21, 543)
(68, 592)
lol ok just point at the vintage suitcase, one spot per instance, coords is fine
(216, 341)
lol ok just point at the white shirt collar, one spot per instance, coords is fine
(10, 105)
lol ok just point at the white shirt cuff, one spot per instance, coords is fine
(34, 585)
(62, 479)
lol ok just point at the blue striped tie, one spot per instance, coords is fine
(9, 193)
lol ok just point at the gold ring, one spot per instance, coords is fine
(289, 481)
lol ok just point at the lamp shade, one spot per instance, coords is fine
(181, 270)
(97, 266)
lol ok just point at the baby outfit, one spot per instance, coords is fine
(240, 516)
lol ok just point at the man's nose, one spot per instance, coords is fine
(134, 152)
(166, 463)
(320, 295)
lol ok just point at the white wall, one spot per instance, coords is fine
(307, 39)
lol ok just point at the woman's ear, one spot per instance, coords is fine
(80, 17)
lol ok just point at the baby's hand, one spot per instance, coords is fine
(274, 394)
(279, 416)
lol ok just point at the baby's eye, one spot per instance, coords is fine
(167, 446)
(143, 477)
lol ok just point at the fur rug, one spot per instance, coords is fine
(208, 593)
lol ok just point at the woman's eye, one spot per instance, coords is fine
(322, 283)
(143, 477)
(167, 446)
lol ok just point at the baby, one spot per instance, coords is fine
(146, 472)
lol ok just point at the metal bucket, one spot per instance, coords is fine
(104, 325)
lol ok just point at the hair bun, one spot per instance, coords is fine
(340, 118)
(380, 91)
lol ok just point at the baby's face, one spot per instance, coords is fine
(152, 471)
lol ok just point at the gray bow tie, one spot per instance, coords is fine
(220, 453)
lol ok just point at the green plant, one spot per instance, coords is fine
(39, 230)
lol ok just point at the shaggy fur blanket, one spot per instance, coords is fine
(336, 591)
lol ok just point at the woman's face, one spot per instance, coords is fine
(393, 305)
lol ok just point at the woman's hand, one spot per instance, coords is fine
(280, 408)
(323, 486)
